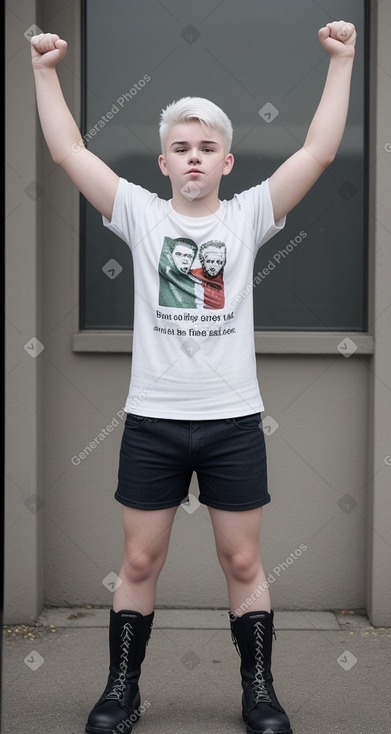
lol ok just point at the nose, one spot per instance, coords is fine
(194, 156)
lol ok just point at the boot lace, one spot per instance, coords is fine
(119, 685)
(258, 684)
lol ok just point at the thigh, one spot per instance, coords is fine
(153, 472)
(236, 532)
(231, 467)
(147, 531)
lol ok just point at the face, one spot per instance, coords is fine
(183, 258)
(213, 262)
(195, 155)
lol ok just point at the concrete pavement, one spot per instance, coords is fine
(332, 673)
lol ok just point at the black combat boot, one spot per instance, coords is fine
(119, 706)
(252, 637)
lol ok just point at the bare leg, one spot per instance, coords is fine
(237, 545)
(147, 536)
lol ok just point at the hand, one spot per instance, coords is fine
(47, 50)
(338, 38)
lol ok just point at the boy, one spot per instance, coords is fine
(195, 355)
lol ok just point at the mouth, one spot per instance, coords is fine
(193, 170)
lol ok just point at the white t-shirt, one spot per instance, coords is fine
(193, 345)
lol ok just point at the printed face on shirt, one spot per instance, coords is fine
(183, 257)
(184, 282)
(213, 261)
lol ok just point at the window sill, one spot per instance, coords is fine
(266, 342)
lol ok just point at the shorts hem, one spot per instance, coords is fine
(150, 505)
(235, 508)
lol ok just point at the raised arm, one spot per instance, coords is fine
(94, 179)
(293, 179)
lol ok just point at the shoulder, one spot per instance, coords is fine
(130, 192)
(255, 207)
(133, 206)
(251, 197)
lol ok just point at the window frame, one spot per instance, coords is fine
(267, 340)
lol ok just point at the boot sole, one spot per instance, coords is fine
(253, 731)
(128, 730)
(258, 731)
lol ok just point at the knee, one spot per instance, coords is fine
(242, 566)
(140, 565)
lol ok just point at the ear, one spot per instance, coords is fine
(163, 165)
(228, 165)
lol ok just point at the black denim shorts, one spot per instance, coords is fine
(158, 457)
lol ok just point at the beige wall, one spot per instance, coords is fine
(327, 472)
(24, 480)
(379, 465)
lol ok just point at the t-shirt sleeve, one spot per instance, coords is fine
(258, 205)
(129, 200)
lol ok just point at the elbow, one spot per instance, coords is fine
(329, 159)
(324, 157)
(60, 156)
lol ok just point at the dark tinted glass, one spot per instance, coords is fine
(247, 57)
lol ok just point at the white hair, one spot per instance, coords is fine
(197, 109)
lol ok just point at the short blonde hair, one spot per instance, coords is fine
(197, 109)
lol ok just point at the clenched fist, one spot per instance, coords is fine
(338, 38)
(47, 50)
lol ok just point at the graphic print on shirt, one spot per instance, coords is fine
(192, 277)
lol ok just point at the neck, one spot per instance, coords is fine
(203, 207)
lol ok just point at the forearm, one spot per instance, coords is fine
(58, 126)
(327, 127)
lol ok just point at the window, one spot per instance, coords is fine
(262, 63)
